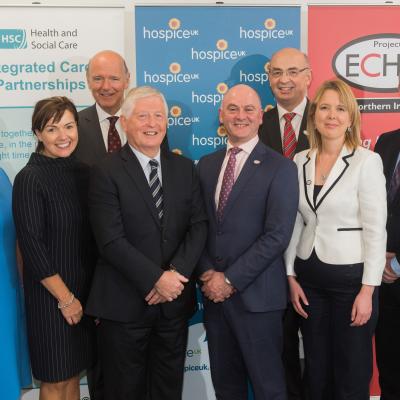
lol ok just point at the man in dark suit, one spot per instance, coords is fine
(251, 195)
(100, 130)
(289, 75)
(150, 226)
(388, 327)
(283, 130)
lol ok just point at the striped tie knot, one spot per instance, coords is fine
(289, 116)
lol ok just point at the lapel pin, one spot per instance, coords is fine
(257, 162)
(308, 182)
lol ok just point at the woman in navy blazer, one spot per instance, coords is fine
(337, 252)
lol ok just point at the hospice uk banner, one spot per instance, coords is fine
(44, 52)
(361, 45)
(195, 54)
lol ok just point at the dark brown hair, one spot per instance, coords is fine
(52, 108)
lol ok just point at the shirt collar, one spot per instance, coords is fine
(246, 147)
(143, 159)
(299, 110)
(104, 115)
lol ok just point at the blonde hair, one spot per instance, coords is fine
(353, 134)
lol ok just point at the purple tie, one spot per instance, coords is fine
(113, 140)
(394, 184)
(227, 181)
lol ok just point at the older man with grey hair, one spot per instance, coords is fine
(150, 226)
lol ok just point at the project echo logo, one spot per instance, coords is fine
(13, 39)
(370, 62)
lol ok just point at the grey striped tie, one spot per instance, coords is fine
(155, 187)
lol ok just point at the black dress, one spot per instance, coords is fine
(49, 206)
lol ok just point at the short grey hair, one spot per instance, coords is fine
(137, 93)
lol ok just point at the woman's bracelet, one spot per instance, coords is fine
(67, 303)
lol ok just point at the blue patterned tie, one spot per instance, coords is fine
(155, 187)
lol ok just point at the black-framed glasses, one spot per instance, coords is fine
(291, 72)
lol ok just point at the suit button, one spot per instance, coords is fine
(218, 259)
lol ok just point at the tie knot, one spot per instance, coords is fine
(289, 116)
(113, 120)
(235, 150)
(153, 164)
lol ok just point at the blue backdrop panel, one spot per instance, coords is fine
(194, 54)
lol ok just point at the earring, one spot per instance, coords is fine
(348, 130)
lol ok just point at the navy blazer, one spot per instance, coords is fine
(388, 147)
(258, 220)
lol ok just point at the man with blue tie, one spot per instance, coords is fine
(388, 327)
(150, 226)
(251, 195)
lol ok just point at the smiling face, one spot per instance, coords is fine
(289, 88)
(241, 114)
(107, 79)
(332, 118)
(146, 125)
(60, 138)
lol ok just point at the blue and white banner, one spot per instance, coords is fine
(194, 54)
(44, 52)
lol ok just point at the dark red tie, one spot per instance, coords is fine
(227, 181)
(113, 139)
(289, 136)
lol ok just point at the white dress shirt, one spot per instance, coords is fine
(241, 158)
(105, 124)
(144, 163)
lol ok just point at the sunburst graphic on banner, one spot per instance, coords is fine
(175, 111)
(270, 23)
(268, 107)
(222, 44)
(177, 151)
(175, 68)
(174, 23)
(222, 88)
(266, 67)
(221, 131)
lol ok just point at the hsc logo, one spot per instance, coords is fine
(13, 39)
(370, 62)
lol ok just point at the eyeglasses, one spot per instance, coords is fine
(291, 72)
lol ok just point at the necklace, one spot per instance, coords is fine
(324, 177)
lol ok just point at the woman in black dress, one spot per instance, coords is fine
(49, 206)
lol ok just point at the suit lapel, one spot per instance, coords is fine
(214, 171)
(91, 120)
(135, 171)
(302, 143)
(309, 178)
(275, 131)
(168, 184)
(336, 173)
(251, 165)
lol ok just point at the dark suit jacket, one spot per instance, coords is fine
(270, 132)
(388, 147)
(258, 220)
(91, 148)
(133, 245)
